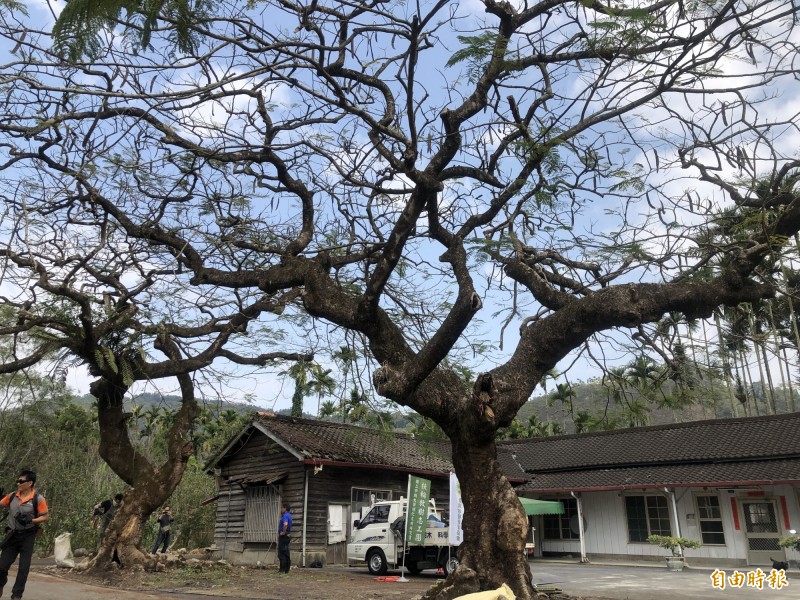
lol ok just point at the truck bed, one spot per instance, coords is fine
(437, 536)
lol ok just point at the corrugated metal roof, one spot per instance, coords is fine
(267, 478)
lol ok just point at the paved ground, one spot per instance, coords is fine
(613, 581)
(626, 582)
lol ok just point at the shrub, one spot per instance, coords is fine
(790, 541)
(672, 543)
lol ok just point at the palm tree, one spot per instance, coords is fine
(564, 393)
(228, 416)
(537, 428)
(725, 357)
(736, 338)
(151, 418)
(779, 352)
(309, 379)
(327, 409)
(759, 339)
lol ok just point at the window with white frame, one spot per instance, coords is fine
(647, 515)
(709, 517)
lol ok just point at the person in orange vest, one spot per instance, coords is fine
(27, 510)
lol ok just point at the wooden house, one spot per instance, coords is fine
(327, 472)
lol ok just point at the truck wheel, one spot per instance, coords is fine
(413, 568)
(376, 562)
(450, 565)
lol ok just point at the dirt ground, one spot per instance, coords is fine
(211, 579)
(255, 583)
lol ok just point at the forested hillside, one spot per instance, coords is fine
(45, 428)
(616, 402)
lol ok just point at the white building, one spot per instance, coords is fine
(733, 484)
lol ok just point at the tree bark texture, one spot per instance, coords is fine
(124, 535)
(494, 522)
(150, 486)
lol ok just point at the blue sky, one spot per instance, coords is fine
(601, 216)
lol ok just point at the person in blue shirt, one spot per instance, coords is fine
(284, 531)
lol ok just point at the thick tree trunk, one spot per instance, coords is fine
(124, 535)
(150, 486)
(495, 526)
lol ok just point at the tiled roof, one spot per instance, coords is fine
(743, 450)
(703, 441)
(756, 450)
(689, 475)
(338, 442)
(507, 458)
(344, 443)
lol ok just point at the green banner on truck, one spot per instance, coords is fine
(419, 492)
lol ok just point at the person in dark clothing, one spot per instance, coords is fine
(164, 527)
(104, 511)
(99, 509)
(284, 529)
(23, 522)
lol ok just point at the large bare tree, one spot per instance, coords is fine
(81, 296)
(573, 169)
(77, 292)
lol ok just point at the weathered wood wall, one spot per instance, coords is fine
(254, 455)
(258, 455)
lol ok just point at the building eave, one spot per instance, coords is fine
(650, 485)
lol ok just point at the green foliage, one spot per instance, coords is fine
(477, 50)
(361, 408)
(483, 248)
(645, 392)
(194, 521)
(13, 5)
(585, 422)
(59, 440)
(309, 378)
(77, 31)
(327, 409)
(672, 543)
(214, 428)
(534, 428)
(46, 430)
(425, 429)
(534, 150)
(627, 28)
(790, 541)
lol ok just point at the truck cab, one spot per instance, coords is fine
(377, 539)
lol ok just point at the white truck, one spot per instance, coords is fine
(377, 539)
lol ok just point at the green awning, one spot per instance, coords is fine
(542, 507)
